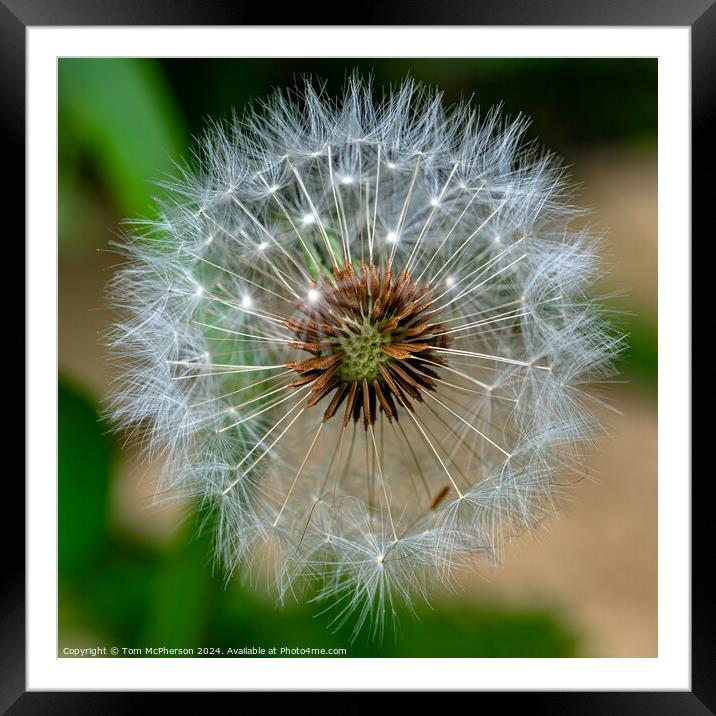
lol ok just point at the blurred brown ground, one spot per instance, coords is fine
(597, 564)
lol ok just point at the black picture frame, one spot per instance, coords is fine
(699, 15)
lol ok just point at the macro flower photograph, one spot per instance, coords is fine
(357, 358)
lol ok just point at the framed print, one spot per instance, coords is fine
(346, 344)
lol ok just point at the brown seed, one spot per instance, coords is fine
(439, 497)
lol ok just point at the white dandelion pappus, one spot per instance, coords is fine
(360, 333)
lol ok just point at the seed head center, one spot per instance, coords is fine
(362, 354)
(376, 342)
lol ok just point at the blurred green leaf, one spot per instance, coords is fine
(486, 631)
(84, 463)
(181, 598)
(82, 219)
(642, 354)
(243, 618)
(119, 115)
(640, 360)
(112, 597)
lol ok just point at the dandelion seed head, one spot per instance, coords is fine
(393, 361)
